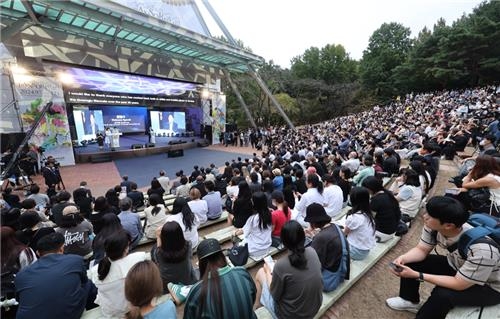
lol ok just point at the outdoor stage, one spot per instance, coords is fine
(137, 146)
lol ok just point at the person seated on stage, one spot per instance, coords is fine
(214, 201)
(136, 197)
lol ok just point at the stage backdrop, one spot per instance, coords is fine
(33, 93)
(218, 117)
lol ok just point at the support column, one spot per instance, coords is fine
(240, 98)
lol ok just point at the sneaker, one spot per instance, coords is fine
(398, 303)
(178, 292)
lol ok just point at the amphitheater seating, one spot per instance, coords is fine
(492, 312)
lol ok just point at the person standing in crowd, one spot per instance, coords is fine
(293, 289)
(54, 277)
(126, 183)
(109, 275)
(142, 287)
(222, 292)
(473, 281)
(360, 224)
(173, 255)
(164, 181)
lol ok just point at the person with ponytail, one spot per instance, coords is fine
(385, 207)
(189, 222)
(223, 292)
(279, 216)
(314, 194)
(109, 275)
(360, 224)
(293, 289)
(142, 287)
(155, 215)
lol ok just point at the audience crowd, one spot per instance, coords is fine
(79, 250)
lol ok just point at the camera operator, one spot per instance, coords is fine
(51, 175)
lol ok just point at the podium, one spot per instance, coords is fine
(114, 139)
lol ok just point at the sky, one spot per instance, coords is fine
(279, 30)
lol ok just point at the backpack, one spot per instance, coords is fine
(484, 225)
(331, 280)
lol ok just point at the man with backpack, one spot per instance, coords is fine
(469, 274)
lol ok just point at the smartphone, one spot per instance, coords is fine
(270, 262)
(397, 268)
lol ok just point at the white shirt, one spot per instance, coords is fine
(165, 183)
(111, 290)
(362, 234)
(409, 199)
(191, 235)
(199, 207)
(259, 240)
(333, 200)
(154, 221)
(311, 196)
(352, 164)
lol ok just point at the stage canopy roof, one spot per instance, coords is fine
(126, 27)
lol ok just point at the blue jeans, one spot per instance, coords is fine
(266, 299)
(358, 254)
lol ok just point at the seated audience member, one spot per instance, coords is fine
(314, 194)
(183, 189)
(164, 181)
(29, 204)
(279, 216)
(182, 214)
(242, 206)
(41, 200)
(109, 275)
(156, 215)
(173, 255)
(10, 218)
(110, 224)
(15, 257)
(385, 207)
(214, 201)
(473, 281)
(390, 164)
(142, 287)
(278, 179)
(328, 245)
(198, 206)
(130, 221)
(408, 192)
(112, 199)
(32, 229)
(258, 228)
(232, 290)
(54, 277)
(156, 189)
(101, 207)
(220, 184)
(333, 196)
(352, 163)
(289, 190)
(423, 176)
(83, 201)
(300, 181)
(367, 170)
(359, 224)
(342, 177)
(199, 184)
(255, 185)
(12, 199)
(232, 188)
(136, 197)
(77, 232)
(293, 289)
(63, 200)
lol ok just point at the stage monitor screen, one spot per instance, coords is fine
(88, 123)
(171, 122)
(126, 119)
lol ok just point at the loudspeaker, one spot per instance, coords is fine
(149, 145)
(175, 153)
(136, 146)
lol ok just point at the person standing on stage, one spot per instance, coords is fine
(152, 136)
(107, 137)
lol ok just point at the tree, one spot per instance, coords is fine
(388, 48)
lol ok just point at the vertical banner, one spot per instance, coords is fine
(52, 134)
(218, 116)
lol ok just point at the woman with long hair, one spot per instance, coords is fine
(408, 193)
(289, 190)
(242, 206)
(485, 173)
(182, 214)
(293, 289)
(258, 227)
(223, 291)
(385, 207)
(101, 208)
(314, 194)
(279, 216)
(423, 176)
(360, 224)
(110, 224)
(156, 214)
(142, 287)
(78, 232)
(109, 275)
(173, 255)
(156, 189)
(112, 198)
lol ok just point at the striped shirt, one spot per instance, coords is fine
(238, 294)
(482, 266)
